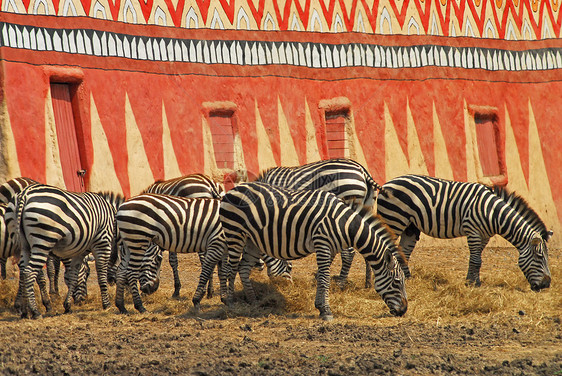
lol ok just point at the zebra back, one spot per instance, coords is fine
(345, 178)
(12, 187)
(174, 223)
(194, 186)
(93, 213)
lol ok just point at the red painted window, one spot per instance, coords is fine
(66, 136)
(336, 135)
(487, 134)
(223, 139)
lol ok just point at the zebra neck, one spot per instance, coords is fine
(512, 226)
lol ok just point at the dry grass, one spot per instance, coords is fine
(436, 293)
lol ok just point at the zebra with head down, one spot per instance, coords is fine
(289, 224)
(446, 209)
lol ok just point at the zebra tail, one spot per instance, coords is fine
(21, 200)
(114, 245)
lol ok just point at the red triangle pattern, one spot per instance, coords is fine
(445, 9)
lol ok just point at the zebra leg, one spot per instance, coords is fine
(133, 270)
(235, 248)
(244, 269)
(20, 304)
(408, 240)
(101, 257)
(476, 244)
(210, 290)
(209, 261)
(3, 267)
(173, 259)
(53, 271)
(71, 275)
(347, 256)
(30, 273)
(121, 281)
(81, 289)
(45, 299)
(323, 260)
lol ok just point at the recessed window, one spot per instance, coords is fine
(487, 137)
(336, 133)
(490, 150)
(221, 123)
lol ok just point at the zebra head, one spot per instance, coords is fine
(533, 261)
(149, 279)
(390, 284)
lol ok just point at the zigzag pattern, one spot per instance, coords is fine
(305, 54)
(502, 19)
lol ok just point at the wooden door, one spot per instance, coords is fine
(72, 171)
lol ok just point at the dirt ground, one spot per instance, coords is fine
(501, 328)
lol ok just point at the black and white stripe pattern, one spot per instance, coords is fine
(188, 186)
(289, 224)
(47, 219)
(174, 223)
(345, 178)
(252, 53)
(447, 209)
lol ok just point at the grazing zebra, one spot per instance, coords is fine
(191, 186)
(188, 186)
(345, 178)
(48, 219)
(447, 209)
(177, 224)
(289, 224)
(8, 191)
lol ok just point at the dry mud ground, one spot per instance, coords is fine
(501, 328)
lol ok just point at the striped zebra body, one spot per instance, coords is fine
(191, 186)
(178, 224)
(345, 178)
(8, 191)
(10, 248)
(289, 224)
(447, 209)
(48, 219)
(188, 186)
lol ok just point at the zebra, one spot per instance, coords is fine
(174, 223)
(290, 224)
(47, 219)
(8, 191)
(191, 186)
(188, 186)
(8, 248)
(345, 178)
(445, 209)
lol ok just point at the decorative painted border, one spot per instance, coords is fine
(256, 53)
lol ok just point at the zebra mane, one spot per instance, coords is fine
(115, 199)
(519, 204)
(388, 236)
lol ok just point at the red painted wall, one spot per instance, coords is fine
(182, 88)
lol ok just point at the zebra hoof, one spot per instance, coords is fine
(176, 295)
(327, 317)
(36, 315)
(141, 309)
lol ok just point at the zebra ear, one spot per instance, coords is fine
(549, 235)
(536, 241)
(389, 259)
